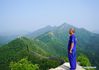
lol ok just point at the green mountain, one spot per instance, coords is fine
(48, 47)
(57, 39)
(6, 39)
(23, 47)
(40, 31)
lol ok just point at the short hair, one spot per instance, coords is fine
(73, 30)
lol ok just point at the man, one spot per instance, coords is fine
(72, 49)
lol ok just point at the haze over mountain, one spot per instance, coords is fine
(31, 15)
(33, 29)
(58, 37)
(6, 37)
(52, 41)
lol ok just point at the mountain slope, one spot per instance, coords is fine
(22, 47)
(6, 39)
(50, 42)
(54, 45)
(58, 39)
(40, 31)
(15, 50)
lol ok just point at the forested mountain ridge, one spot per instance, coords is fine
(59, 36)
(50, 43)
(22, 47)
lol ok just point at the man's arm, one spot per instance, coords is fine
(71, 47)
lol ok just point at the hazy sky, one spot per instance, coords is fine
(30, 15)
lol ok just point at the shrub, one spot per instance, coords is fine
(23, 64)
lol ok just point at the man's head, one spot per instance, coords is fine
(71, 31)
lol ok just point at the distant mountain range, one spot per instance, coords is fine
(96, 31)
(7, 37)
(57, 38)
(52, 41)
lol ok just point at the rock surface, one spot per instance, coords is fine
(66, 66)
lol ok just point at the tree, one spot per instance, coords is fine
(84, 61)
(23, 64)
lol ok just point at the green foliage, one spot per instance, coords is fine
(55, 46)
(36, 52)
(46, 64)
(66, 59)
(23, 64)
(84, 61)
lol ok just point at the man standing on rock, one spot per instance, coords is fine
(72, 49)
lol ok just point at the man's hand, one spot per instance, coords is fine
(70, 51)
(71, 47)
